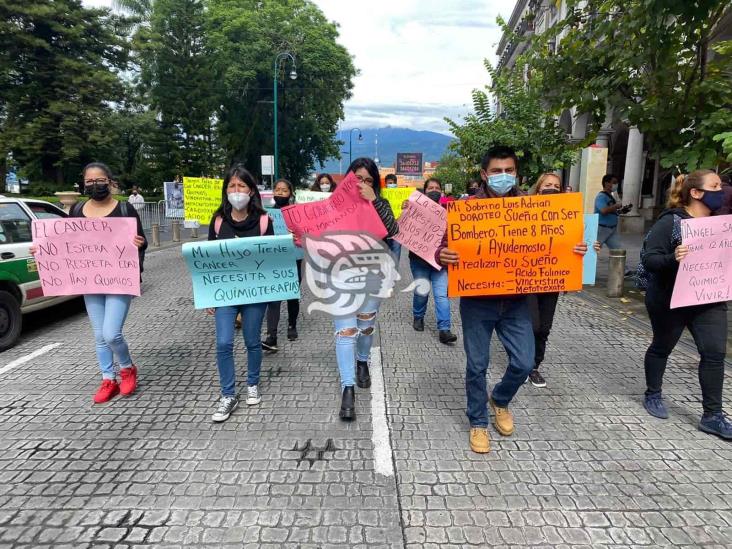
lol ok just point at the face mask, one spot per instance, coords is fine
(550, 191)
(471, 191)
(391, 186)
(238, 201)
(614, 188)
(281, 201)
(434, 196)
(134, 193)
(325, 187)
(712, 199)
(501, 183)
(99, 192)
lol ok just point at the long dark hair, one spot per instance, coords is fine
(255, 202)
(289, 186)
(316, 186)
(100, 166)
(371, 167)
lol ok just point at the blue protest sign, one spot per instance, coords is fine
(280, 227)
(239, 271)
(589, 262)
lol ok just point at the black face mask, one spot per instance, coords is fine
(281, 201)
(471, 191)
(434, 195)
(550, 191)
(99, 192)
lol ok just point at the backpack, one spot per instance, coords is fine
(263, 224)
(642, 276)
(76, 211)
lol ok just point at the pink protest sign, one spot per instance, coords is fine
(80, 255)
(421, 227)
(705, 274)
(342, 211)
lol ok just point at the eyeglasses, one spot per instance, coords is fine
(100, 181)
(368, 180)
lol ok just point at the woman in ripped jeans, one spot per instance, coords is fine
(355, 334)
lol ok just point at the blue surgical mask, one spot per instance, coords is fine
(712, 199)
(501, 183)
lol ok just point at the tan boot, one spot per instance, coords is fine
(502, 419)
(480, 442)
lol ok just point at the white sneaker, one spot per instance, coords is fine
(253, 396)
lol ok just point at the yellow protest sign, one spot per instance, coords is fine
(201, 198)
(396, 198)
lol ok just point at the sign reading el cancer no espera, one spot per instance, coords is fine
(80, 255)
(517, 245)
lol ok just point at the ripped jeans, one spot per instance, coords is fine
(354, 336)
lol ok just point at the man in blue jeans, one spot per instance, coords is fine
(508, 315)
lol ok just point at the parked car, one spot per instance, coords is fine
(20, 288)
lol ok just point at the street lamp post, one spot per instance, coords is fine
(280, 58)
(350, 144)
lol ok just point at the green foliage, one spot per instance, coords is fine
(456, 171)
(57, 79)
(523, 124)
(247, 35)
(649, 61)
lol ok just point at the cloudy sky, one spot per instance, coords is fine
(419, 60)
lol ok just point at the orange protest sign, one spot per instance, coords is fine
(519, 245)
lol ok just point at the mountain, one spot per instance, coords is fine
(391, 141)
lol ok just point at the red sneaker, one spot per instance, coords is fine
(107, 391)
(128, 380)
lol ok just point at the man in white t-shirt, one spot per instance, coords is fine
(136, 199)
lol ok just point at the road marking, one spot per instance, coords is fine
(27, 358)
(383, 453)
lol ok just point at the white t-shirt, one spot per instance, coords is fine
(136, 200)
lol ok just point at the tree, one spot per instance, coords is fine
(246, 36)
(456, 171)
(650, 62)
(179, 76)
(523, 124)
(57, 79)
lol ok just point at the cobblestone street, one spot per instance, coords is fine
(586, 467)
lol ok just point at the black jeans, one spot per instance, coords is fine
(542, 308)
(708, 327)
(293, 309)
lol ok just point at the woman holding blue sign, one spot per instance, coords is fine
(284, 195)
(355, 333)
(698, 194)
(240, 215)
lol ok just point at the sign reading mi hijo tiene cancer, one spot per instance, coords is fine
(518, 245)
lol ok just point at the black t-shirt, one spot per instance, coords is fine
(238, 229)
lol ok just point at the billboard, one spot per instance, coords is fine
(409, 164)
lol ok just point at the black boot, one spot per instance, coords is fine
(418, 324)
(446, 337)
(348, 404)
(363, 378)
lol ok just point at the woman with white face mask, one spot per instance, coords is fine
(240, 216)
(323, 184)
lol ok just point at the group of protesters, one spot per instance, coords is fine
(522, 323)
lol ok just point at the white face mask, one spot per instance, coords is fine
(325, 187)
(238, 201)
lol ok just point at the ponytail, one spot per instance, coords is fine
(679, 195)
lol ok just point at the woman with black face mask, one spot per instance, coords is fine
(438, 282)
(108, 312)
(698, 194)
(284, 195)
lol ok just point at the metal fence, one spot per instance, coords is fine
(152, 213)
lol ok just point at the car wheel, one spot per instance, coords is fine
(11, 320)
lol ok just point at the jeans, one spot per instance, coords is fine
(610, 237)
(438, 280)
(511, 320)
(708, 327)
(396, 249)
(357, 345)
(251, 318)
(293, 309)
(542, 308)
(107, 314)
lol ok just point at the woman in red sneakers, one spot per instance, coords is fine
(108, 312)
